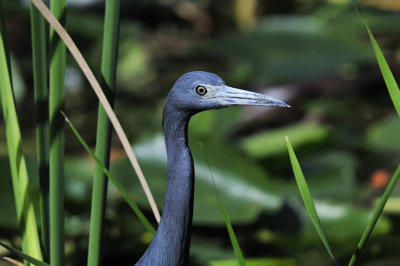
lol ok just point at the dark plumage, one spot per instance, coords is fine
(193, 92)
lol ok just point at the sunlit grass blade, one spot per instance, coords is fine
(42, 118)
(19, 174)
(103, 138)
(115, 182)
(24, 256)
(307, 198)
(375, 216)
(391, 83)
(231, 232)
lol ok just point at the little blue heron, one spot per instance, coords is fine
(193, 92)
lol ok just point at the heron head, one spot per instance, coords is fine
(198, 91)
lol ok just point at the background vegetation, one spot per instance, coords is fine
(314, 55)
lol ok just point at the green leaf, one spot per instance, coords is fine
(24, 256)
(383, 136)
(307, 198)
(266, 54)
(391, 83)
(271, 143)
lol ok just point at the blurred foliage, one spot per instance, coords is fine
(314, 54)
(382, 136)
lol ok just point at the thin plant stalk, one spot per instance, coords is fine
(23, 255)
(42, 119)
(56, 104)
(103, 138)
(375, 216)
(235, 243)
(19, 174)
(115, 182)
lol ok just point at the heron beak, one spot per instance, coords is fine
(228, 96)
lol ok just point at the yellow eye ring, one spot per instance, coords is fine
(200, 90)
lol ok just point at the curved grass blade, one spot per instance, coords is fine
(306, 195)
(120, 188)
(375, 216)
(231, 232)
(391, 83)
(394, 93)
(24, 256)
(103, 138)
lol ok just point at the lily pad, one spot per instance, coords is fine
(272, 142)
(384, 135)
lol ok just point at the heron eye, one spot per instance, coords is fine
(200, 90)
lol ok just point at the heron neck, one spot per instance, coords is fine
(170, 245)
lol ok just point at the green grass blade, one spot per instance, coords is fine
(231, 232)
(103, 138)
(394, 93)
(56, 103)
(19, 174)
(24, 256)
(375, 216)
(42, 118)
(115, 182)
(391, 83)
(306, 195)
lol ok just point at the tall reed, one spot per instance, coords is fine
(56, 104)
(103, 139)
(42, 119)
(19, 174)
